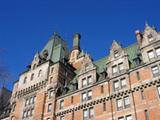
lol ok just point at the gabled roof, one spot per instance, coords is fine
(132, 52)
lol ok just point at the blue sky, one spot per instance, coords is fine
(26, 25)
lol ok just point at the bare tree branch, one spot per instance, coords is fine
(5, 76)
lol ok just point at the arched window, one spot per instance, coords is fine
(32, 76)
(40, 73)
(25, 80)
(34, 66)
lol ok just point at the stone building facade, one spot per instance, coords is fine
(63, 85)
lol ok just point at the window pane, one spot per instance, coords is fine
(126, 102)
(91, 112)
(61, 104)
(49, 107)
(119, 104)
(159, 90)
(155, 70)
(158, 51)
(84, 97)
(121, 66)
(85, 114)
(116, 85)
(114, 69)
(89, 95)
(89, 79)
(129, 117)
(151, 54)
(123, 82)
(84, 82)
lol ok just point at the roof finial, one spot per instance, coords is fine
(146, 24)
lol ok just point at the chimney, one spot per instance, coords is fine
(76, 41)
(139, 36)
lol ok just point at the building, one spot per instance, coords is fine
(5, 107)
(63, 85)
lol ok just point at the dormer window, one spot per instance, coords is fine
(151, 54)
(150, 37)
(87, 81)
(114, 69)
(121, 67)
(116, 54)
(84, 82)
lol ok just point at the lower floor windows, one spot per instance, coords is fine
(88, 113)
(127, 117)
(123, 103)
(155, 71)
(28, 113)
(158, 88)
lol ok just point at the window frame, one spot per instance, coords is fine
(153, 71)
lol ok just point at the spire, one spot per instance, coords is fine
(76, 41)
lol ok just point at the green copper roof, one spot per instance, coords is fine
(131, 50)
(56, 48)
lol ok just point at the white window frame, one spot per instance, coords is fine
(157, 51)
(151, 54)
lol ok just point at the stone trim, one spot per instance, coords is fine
(107, 98)
(30, 89)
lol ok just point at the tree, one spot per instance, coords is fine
(4, 73)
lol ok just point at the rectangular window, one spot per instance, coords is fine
(121, 67)
(24, 114)
(84, 96)
(27, 102)
(126, 102)
(158, 88)
(91, 112)
(49, 107)
(114, 69)
(89, 80)
(146, 114)
(85, 114)
(151, 54)
(158, 52)
(116, 85)
(51, 93)
(123, 83)
(61, 104)
(84, 82)
(129, 117)
(31, 112)
(89, 95)
(155, 71)
(119, 104)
